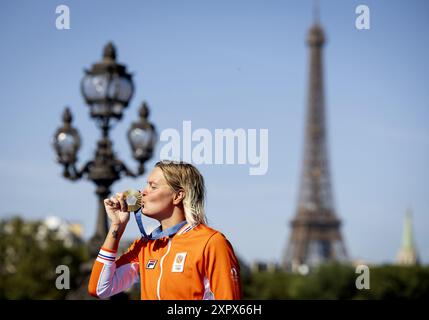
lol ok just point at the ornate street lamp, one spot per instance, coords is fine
(142, 136)
(66, 141)
(107, 88)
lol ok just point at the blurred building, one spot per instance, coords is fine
(407, 254)
(70, 233)
(259, 266)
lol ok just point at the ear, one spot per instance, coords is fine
(178, 197)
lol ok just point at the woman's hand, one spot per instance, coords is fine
(116, 209)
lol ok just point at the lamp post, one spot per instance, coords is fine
(107, 89)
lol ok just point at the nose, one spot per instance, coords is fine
(144, 192)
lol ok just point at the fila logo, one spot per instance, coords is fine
(151, 264)
(179, 262)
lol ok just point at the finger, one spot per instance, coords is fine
(115, 203)
(121, 198)
(109, 200)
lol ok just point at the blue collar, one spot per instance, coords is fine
(157, 233)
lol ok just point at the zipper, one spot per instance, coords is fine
(160, 273)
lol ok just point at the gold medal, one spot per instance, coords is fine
(133, 199)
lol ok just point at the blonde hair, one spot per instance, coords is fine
(184, 176)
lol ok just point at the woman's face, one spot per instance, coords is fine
(157, 196)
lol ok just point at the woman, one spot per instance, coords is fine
(182, 259)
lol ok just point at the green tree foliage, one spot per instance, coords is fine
(336, 281)
(397, 282)
(265, 285)
(30, 257)
(330, 281)
(30, 254)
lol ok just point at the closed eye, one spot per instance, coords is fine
(152, 185)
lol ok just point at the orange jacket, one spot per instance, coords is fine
(195, 263)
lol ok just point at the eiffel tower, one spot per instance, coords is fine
(315, 236)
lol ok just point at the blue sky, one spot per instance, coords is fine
(230, 64)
